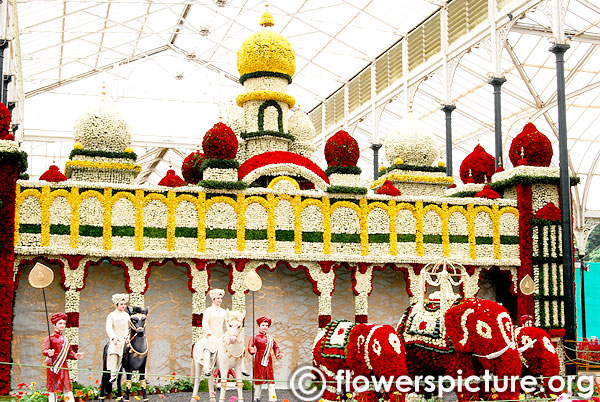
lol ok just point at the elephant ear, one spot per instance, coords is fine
(457, 330)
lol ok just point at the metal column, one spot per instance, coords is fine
(497, 82)
(565, 208)
(375, 148)
(448, 110)
(3, 46)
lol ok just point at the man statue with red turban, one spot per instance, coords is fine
(260, 346)
(57, 350)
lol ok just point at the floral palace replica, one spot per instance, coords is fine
(325, 247)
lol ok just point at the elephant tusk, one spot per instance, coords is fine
(527, 346)
(496, 354)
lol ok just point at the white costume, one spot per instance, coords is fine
(117, 329)
(213, 322)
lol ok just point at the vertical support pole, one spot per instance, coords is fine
(375, 148)
(448, 110)
(7, 79)
(582, 284)
(497, 82)
(3, 46)
(559, 50)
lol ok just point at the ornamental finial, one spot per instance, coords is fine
(266, 19)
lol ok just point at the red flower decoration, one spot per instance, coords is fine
(5, 119)
(536, 146)
(549, 211)
(279, 157)
(453, 185)
(480, 163)
(171, 180)
(220, 142)
(487, 192)
(388, 188)
(341, 150)
(190, 169)
(53, 174)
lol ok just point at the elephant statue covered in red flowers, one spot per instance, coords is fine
(538, 354)
(363, 349)
(472, 336)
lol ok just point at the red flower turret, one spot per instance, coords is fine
(171, 180)
(532, 146)
(53, 174)
(341, 150)
(220, 142)
(190, 169)
(388, 188)
(478, 164)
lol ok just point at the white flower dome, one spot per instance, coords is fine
(412, 142)
(102, 128)
(301, 127)
(233, 118)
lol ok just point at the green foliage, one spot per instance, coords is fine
(223, 185)
(258, 74)
(220, 164)
(264, 133)
(343, 170)
(347, 190)
(19, 157)
(104, 154)
(502, 184)
(441, 169)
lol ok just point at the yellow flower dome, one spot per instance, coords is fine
(266, 51)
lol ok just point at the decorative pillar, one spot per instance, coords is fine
(73, 275)
(237, 284)
(559, 50)
(497, 82)
(375, 148)
(448, 109)
(137, 272)
(362, 286)
(12, 160)
(198, 284)
(323, 278)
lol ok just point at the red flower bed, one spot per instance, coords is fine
(279, 157)
(171, 180)
(53, 174)
(537, 148)
(220, 142)
(341, 150)
(190, 169)
(5, 119)
(480, 164)
(388, 188)
(549, 211)
(487, 192)
(589, 350)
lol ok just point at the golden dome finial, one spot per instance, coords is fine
(266, 19)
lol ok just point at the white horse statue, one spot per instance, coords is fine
(230, 353)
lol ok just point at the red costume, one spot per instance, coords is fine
(60, 381)
(263, 360)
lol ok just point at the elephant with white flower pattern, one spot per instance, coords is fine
(474, 335)
(538, 354)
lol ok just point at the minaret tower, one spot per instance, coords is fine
(266, 62)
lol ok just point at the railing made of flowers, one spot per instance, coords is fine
(588, 354)
(197, 222)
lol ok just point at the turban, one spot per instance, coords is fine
(117, 297)
(525, 320)
(56, 317)
(263, 319)
(216, 292)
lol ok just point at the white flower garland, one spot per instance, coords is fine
(526, 171)
(267, 143)
(102, 128)
(301, 127)
(220, 174)
(9, 146)
(348, 180)
(468, 187)
(276, 84)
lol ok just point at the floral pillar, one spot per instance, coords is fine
(362, 286)
(11, 162)
(237, 284)
(73, 275)
(137, 272)
(198, 284)
(323, 278)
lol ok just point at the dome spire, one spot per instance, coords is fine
(266, 19)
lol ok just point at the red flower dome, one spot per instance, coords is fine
(190, 169)
(5, 118)
(171, 180)
(549, 211)
(388, 188)
(280, 158)
(480, 163)
(536, 146)
(487, 192)
(220, 142)
(341, 150)
(53, 174)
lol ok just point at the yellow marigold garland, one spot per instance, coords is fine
(265, 95)
(104, 165)
(417, 179)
